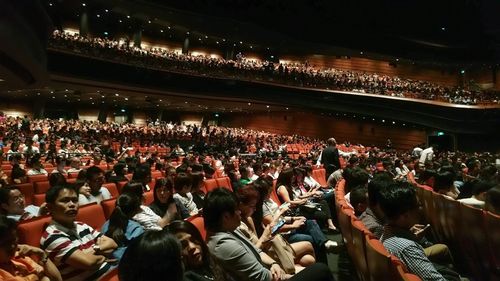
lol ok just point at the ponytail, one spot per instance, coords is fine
(127, 206)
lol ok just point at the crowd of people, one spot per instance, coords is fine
(250, 236)
(296, 74)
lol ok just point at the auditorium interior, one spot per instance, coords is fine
(229, 89)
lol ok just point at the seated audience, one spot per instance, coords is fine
(163, 200)
(296, 228)
(119, 172)
(13, 206)
(197, 189)
(492, 200)
(292, 257)
(36, 167)
(22, 262)
(182, 195)
(479, 192)
(401, 209)
(144, 215)
(93, 191)
(152, 256)
(120, 227)
(199, 265)
(79, 251)
(235, 253)
(142, 174)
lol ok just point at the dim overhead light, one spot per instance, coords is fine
(83, 4)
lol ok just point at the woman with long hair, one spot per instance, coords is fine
(198, 263)
(120, 226)
(290, 189)
(152, 256)
(239, 258)
(146, 217)
(301, 251)
(163, 199)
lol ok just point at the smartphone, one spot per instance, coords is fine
(277, 227)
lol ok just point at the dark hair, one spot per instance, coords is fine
(179, 226)
(4, 197)
(163, 182)
(118, 169)
(358, 196)
(127, 205)
(57, 179)
(152, 255)
(285, 179)
(17, 172)
(378, 183)
(53, 192)
(492, 200)
(196, 180)
(354, 177)
(93, 171)
(444, 180)
(481, 186)
(134, 187)
(141, 173)
(397, 199)
(247, 193)
(218, 202)
(7, 226)
(488, 172)
(182, 180)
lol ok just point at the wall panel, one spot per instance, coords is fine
(323, 127)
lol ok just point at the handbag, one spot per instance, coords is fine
(282, 252)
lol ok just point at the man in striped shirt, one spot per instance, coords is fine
(79, 252)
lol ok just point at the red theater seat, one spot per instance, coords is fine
(380, 265)
(112, 189)
(38, 199)
(108, 206)
(210, 184)
(224, 182)
(36, 178)
(41, 187)
(30, 231)
(200, 225)
(28, 191)
(91, 214)
(148, 197)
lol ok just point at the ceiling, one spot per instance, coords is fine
(447, 31)
(77, 92)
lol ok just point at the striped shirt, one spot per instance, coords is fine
(401, 244)
(60, 242)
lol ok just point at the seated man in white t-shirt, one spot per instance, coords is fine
(12, 205)
(93, 191)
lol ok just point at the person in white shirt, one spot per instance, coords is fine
(36, 168)
(93, 191)
(427, 155)
(479, 194)
(183, 196)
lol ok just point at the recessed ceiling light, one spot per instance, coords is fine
(83, 4)
(106, 10)
(117, 95)
(126, 98)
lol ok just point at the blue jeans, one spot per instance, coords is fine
(310, 232)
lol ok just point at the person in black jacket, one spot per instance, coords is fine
(330, 157)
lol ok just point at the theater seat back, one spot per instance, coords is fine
(91, 214)
(30, 231)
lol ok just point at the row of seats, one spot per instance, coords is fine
(372, 261)
(472, 234)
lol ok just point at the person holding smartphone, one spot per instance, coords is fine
(301, 253)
